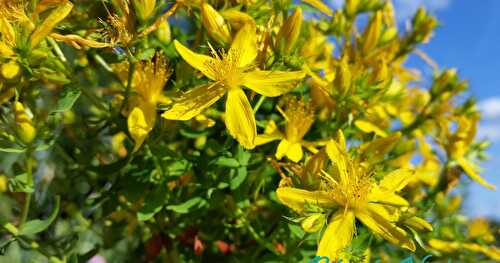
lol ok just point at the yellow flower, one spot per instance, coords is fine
(299, 117)
(149, 80)
(229, 73)
(353, 194)
(480, 228)
(454, 246)
(458, 146)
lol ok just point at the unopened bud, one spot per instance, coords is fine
(290, 31)
(10, 69)
(343, 78)
(24, 126)
(313, 223)
(388, 35)
(144, 8)
(351, 7)
(3, 184)
(373, 32)
(236, 18)
(215, 24)
(163, 32)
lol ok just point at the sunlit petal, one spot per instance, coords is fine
(272, 83)
(239, 118)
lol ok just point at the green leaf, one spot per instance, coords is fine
(186, 206)
(153, 204)
(296, 230)
(67, 99)
(243, 156)
(13, 150)
(36, 226)
(239, 178)
(227, 162)
(19, 184)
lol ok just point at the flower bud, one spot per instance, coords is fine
(10, 69)
(372, 33)
(351, 7)
(342, 81)
(24, 127)
(388, 35)
(313, 223)
(215, 24)
(289, 32)
(237, 19)
(144, 8)
(163, 32)
(3, 184)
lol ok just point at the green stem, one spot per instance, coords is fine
(27, 201)
(131, 70)
(259, 103)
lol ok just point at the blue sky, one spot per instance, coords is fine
(469, 39)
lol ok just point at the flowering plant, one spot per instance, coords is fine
(234, 131)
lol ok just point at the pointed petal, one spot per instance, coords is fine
(194, 102)
(267, 138)
(282, 149)
(55, 16)
(380, 196)
(198, 61)
(369, 127)
(377, 222)
(337, 235)
(272, 83)
(469, 170)
(295, 153)
(396, 180)
(239, 118)
(244, 46)
(339, 158)
(296, 198)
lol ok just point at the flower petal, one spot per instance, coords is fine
(282, 149)
(380, 196)
(296, 198)
(197, 61)
(272, 83)
(267, 138)
(337, 235)
(194, 102)
(396, 180)
(469, 170)
(377, 222)
(244, 46)
(295, 152)
(239, 118)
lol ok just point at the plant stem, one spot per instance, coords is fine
(29, 174)
(259, 103)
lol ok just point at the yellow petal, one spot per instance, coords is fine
(194, 102)
(418, 223)
(137, 127)
(444, 246)
(396, 180)
(198, 61)
(272, 83)
(379, 224)
(469, 170)
(294, 152)
(318, 4)
(339, 158)
(282, 149)
(244, 46)
(50, 22)
(337, 235)
(239, 118)
(267, 138)
(296, 198)
(313, 223)
(369, 127)
(380, 196)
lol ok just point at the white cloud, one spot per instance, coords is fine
(490, 108)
